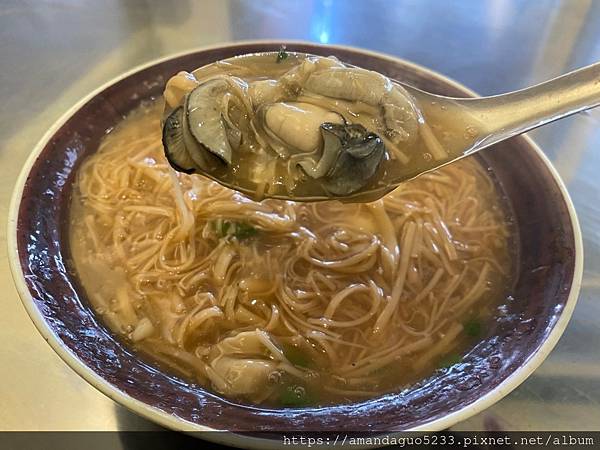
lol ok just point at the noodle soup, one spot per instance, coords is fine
(279, 303)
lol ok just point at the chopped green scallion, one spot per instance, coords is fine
(238, 230)
(449, 360)
(473, 328)
(297, 357)
(294, 396)
(282, 54)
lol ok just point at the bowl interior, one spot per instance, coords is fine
(545, 270)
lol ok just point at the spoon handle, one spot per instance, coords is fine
(507, 115)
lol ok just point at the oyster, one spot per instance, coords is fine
(241, 364)
(294, 126)
(205, 110)
(173, 142)
(350, 155)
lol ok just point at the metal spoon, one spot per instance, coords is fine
(477, 123)
(463, 126)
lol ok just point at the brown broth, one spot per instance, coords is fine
(135, 265)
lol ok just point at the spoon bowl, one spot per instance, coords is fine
(444, 129)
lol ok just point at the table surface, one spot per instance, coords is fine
(54, 52)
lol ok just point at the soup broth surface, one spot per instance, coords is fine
(279, 303)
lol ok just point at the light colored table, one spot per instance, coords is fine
(54, 52)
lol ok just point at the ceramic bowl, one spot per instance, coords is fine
(549, 274)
